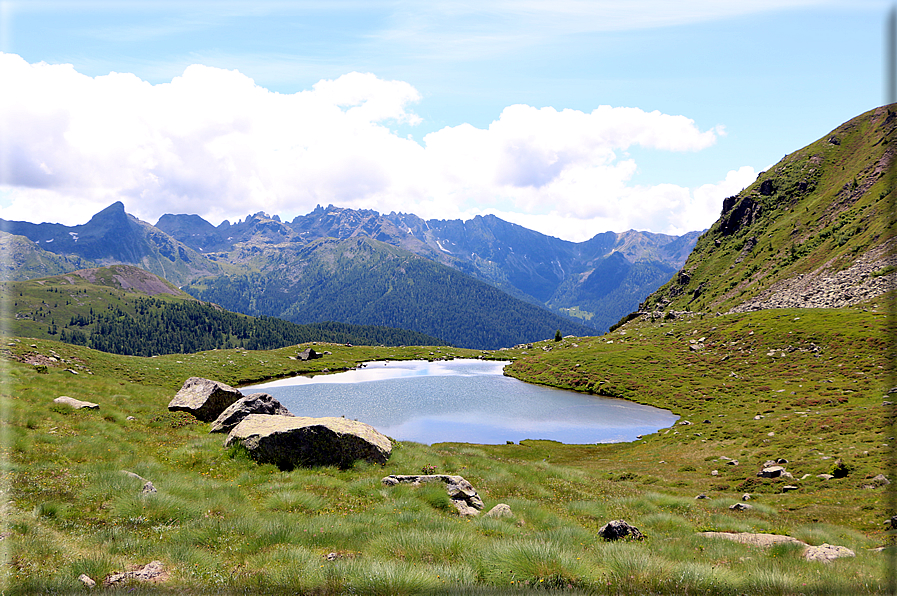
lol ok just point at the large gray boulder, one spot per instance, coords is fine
(292, 441)
(257, 403)
(204, 398)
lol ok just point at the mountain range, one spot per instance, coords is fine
(481, 283)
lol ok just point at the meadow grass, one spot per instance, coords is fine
(222, 523)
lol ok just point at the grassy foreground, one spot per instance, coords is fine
(222, 524)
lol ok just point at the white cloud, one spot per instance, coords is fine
(212, 142)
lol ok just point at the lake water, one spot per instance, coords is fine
(467, 401)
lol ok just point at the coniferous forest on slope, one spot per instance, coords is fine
(156, 327)
(386, 292)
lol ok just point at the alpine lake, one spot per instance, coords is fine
(464, 401)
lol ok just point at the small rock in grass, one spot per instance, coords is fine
(76, 403)
(702, 496)
(827, 553)
(741, 506)
(500, 510)
(85, 579)
(153, 572)
(825, 476)
(618, 528)
(746, 497)
(788, 488)
(771, 472)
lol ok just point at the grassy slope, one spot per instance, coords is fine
(32, 306)
(221, 522)
(841, 213)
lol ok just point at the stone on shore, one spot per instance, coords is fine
(292, 441)
(257, 403)
(204, 398)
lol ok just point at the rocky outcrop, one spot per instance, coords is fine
(76, 403)
(292, 441)
(204, 398)
(257, 403)
(738, 214)
(464, 497)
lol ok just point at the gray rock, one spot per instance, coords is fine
(85, 579)
(76, 403)
(153, 572)
(148, 487)
(825, 476)
(881, 480)
(741, 506)
(746, 497)
(257, 403)
(788, 488)
(702, 496)
(204, 398)
(291, 441)
(463, 495)
(308, 354)
(616, 529)
(827, 553)
(500, 510)
(771, 472)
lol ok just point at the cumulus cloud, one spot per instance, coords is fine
(213, 142)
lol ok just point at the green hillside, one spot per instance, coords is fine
(813, 214)
(125, 310)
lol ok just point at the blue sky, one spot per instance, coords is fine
(468, 107)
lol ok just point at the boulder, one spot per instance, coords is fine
(741, 506)
(257, 403)
(204, 398)
(827, 553)
(291, 441)
(76, 403)
(308, 354)
(616, 529)
(463, 495)
(771, 472)
(500, 510)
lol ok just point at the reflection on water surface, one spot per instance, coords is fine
(467, 401)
